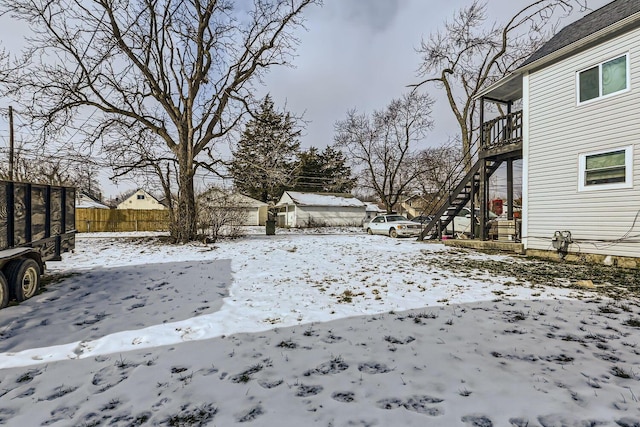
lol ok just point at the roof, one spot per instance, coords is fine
(323, 199)
(130, 193)
(90, 204)
(84, 200)
(598, 26)
(238, 198)
(597, 20)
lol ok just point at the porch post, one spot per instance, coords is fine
(484, 192)
(481, 147)
(510, 189)
(481, 184)
(484, 180)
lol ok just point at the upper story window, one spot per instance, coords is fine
(140, 196)
(606, 170)
(604, 79)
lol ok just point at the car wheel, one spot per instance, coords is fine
(369, 231)
(393, 233)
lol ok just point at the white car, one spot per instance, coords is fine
(393, 225)
(462, 222)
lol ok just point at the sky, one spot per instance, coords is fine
(362, 54)
(353, 54)
(332, 328)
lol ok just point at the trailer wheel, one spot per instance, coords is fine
(24, 278)
(4, 291)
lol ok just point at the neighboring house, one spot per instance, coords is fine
(413, 206)
(580, 97)
(372, 211)
(86, 201)
(139, 199)
(296, 209)
(251, 211)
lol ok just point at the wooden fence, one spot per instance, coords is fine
(99, 220)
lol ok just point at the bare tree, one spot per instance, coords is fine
(221, 214)
(178, 73)
(468, 55)
(381, 146)
(32, 164)
(443, 168)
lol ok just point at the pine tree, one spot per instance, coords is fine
(324, 171)
(265, 161)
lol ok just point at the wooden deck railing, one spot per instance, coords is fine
(502, 131)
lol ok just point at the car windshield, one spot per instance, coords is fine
(393, 218)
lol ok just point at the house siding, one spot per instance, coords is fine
(334, 216)
(147, 203)
(559, 131)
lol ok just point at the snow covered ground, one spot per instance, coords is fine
(299, 329)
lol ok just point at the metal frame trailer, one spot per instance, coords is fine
(37, 224)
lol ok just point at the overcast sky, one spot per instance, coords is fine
(362, 54)
(354, 53)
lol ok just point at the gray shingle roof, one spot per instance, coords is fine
(593, 22)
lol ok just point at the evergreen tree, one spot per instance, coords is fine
(265, 161)
(324, 171)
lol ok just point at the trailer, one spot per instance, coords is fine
(37, 224)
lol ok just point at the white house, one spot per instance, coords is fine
(296, 209)
(580, 97)
(254, 212)
(139, 199)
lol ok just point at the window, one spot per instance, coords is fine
(604, 79)
(605, 170)
(140, 196)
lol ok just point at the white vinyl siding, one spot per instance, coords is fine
(333, 216)
(559, 132)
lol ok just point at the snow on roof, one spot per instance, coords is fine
(241, 199)
(90, 204)
(324, 199)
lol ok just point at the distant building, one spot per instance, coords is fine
(255, 211)
(297, 209)
(85, 201)
(139, 199)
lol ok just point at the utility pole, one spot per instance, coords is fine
(10, 143)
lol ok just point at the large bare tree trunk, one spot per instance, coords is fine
(186, 216)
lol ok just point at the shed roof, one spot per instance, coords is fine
(241, 200)
(322, 199)
(90, 204)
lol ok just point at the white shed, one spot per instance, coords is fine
(296, 209)
(255, 211)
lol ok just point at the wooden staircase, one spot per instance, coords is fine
(458, 198)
